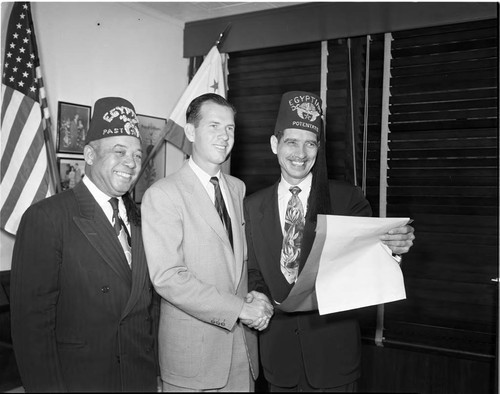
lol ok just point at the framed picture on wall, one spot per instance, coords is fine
(151, 129)
(72, 126)
(71, 171)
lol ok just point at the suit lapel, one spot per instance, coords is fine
(271, 239)
(232, 204)
(93, 223)
(197, 197)
(270, 224)
(139, 268)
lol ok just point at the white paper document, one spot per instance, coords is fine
(355, 268)
(348, 267)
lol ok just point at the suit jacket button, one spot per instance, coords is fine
(105, 289)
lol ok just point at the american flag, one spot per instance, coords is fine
(25, 134)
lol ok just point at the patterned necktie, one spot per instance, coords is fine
(294, 229)
(121, 231)
(221, 208)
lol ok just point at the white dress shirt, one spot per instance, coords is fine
(103, 201)
(205, 181)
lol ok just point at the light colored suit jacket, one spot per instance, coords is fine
(201, 280)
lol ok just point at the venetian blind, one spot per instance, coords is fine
(443, 173)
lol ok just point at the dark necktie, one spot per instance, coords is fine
(121, 231)
(294, 230)
(221, 208)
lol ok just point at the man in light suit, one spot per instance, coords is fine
(303, 351)
(195, 246)
(82, 305)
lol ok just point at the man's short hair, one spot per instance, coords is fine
(193, 112)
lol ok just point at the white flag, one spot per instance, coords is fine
(208, 79)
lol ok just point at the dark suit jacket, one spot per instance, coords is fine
(82, 320)
(330, 345)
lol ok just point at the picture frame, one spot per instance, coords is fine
(72, 126)
(150, 128)
(71, 171)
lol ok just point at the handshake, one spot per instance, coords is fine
(256, 311)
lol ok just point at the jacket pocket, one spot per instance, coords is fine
(71, 343)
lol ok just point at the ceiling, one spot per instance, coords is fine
(195, 11)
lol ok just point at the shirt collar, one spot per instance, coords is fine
(103, 199)
(201, 174)
(305, 185)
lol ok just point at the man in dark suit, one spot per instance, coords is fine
(303, 351)
(82, 305)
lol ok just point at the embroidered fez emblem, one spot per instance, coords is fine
(299, 110)
(127, 116)
(113, 116)
(306, 111)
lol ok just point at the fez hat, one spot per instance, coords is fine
(113, 116)
(299, 110)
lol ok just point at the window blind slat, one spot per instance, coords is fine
(437, 58)
(444, 105)
(420, 97)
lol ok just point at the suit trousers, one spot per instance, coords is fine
(304, 385)
(239, 379)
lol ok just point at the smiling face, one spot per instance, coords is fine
(113, 163)
(212, 137)
(296, 150)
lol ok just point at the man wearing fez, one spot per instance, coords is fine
(82, 305)
(303, 351)
(195, 245)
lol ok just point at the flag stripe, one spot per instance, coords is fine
(43, 97)
(12, 101)
(18, 175)
(7, 93)
(21, 197)
(20, 137)
(175, 135)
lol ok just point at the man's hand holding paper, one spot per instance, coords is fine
(352, 265)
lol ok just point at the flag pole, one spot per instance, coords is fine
(223, 35)
(46, 123)
(169, 125)
(51, 157)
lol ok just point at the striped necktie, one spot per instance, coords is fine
(121, 231)
(294, 230)
(221, 208)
